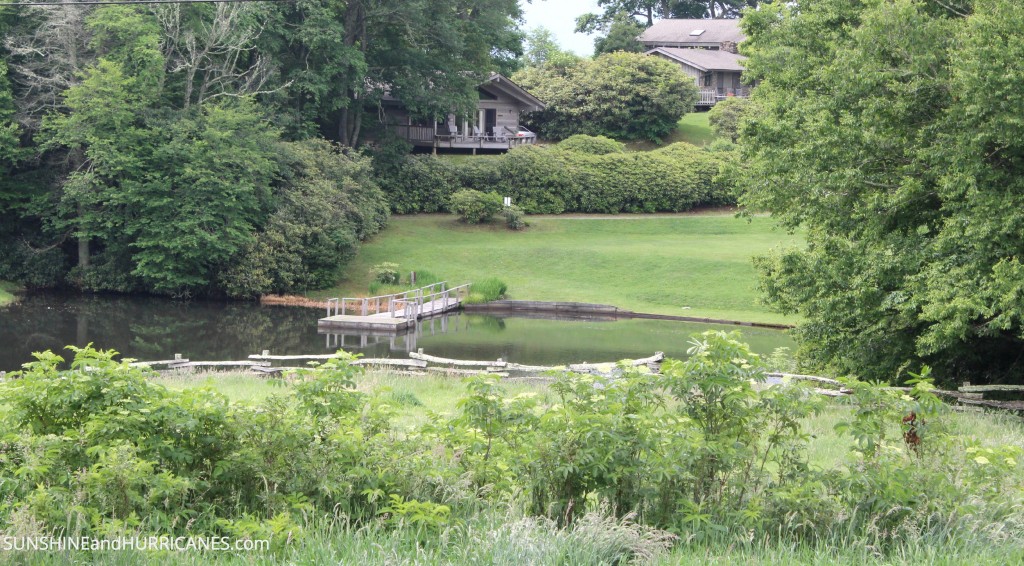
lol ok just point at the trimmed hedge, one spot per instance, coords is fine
(544, 180)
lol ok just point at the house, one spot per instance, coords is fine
(495, 126)
(704, 49)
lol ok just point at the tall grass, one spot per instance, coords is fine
(487, 290)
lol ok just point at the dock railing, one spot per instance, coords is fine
(407, 304)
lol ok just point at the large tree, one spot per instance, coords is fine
(155, 133)
(647, 11)
(890, 130)
(619, 95)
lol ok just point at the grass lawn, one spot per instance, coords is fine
(7, 290)
(692, 128)
(688, 265)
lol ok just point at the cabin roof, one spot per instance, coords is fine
(505, 84)
(679, 31)
(702, 59)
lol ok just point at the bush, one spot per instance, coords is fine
(515, 218)
(474, 207)
(327, 204)
(627, 96)
(542, 180)
(725, 117)
(592, 145)
(386, 273)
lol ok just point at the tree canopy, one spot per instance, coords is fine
(891, 132)
(155, 148)
(619, 95)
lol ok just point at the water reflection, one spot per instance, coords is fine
(154, 328)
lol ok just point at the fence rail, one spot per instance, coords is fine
(409, 304)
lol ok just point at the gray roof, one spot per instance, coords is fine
(703, 59)
(669, 32)
(515, 91)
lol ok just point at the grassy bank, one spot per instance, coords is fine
(7, 290)
(689, 265)
(691, 128)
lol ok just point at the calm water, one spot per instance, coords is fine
(154, 329)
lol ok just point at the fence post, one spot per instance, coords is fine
(366, 303)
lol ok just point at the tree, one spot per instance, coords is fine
(344, 57)
(886, 129)
(618, 95)
(650, 10)
(621, 35)
(542, 49)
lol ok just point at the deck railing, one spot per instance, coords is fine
(426, 135)
(407, 304)
(711, 96)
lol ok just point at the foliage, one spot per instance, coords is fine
(474, 207)
(591, 145)
(621, 95)
(650, 10)
(898, 154)
(327, 202)
(724, 117)
(542, 50)
(181, 151)
(515, 218)
(386, 272)
(621, 35)
(581, 174)
(706, 450)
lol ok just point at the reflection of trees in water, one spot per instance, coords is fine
(153, 328)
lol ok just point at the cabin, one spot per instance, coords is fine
(494, 127)
(705, 50)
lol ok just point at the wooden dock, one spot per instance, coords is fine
(392, 313)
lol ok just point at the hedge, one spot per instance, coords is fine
(544, 180)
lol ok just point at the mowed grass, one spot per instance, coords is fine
(688, 265)
(692, 128)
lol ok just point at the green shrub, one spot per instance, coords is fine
(386, 273)
(487, 290)
(542, 180)
(591, 145)
(474, 207)
(515, 218)
(705, 449)
(726, 117)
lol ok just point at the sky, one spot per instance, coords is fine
(559, 16)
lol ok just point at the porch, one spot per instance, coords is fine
(431, 136)
(711, 96)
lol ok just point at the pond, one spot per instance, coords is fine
(155, 329)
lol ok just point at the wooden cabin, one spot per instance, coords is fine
(496, 124)
(705, 50)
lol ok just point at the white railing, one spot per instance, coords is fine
(408, 305)
(710, 96)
